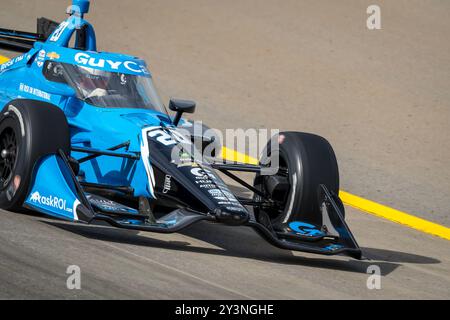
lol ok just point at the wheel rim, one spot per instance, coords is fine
(8, 155)
(280, 207)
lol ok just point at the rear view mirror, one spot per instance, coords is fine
(180, 107)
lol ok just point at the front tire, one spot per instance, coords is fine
(29, 130)
(306, 161)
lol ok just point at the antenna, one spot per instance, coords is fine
(79, 7)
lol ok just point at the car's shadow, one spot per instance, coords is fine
(243, 242)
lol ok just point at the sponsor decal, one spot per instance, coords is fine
(217, 194)
(169, 137)
(123, 79)
(163, 137)
(216, 188)
(225, 203)
(50, 201)
(87, 60)
(59, 31)
(11, 62)
(107, 204)
(305, 229)
(229, 195)
(53, 55)
(234, 209)
(35, 92)
(207, 186)
(203, 181)
(199, 173)
(40, 58)
(167, 184)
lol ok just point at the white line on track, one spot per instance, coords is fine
(179, 271)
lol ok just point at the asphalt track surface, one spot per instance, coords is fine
(380, 97)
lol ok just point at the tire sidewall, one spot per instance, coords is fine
(11, 195)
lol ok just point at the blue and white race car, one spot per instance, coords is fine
(85, 137)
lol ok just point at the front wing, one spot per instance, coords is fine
(56, 191)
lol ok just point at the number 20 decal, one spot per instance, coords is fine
(162, 137)
(166, 139)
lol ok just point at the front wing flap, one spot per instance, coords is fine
(334, 237)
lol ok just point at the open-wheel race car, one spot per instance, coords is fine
(84, 137)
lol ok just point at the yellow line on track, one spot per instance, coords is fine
(394, 215)
(365, 205)
(3, 59)
(362, 204)
(234, 156)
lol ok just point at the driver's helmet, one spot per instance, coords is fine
(93, 82)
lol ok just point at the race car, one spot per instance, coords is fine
(84, 137)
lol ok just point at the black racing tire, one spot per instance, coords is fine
(29, 130)
(307, 161)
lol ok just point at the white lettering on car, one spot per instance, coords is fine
(100, 63)
(59, 31)
(87, 60)
(35, 92)
(127, 65)
(162, 137)
(50, 201)
(114, 65)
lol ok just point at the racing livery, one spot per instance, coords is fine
(85, 137)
